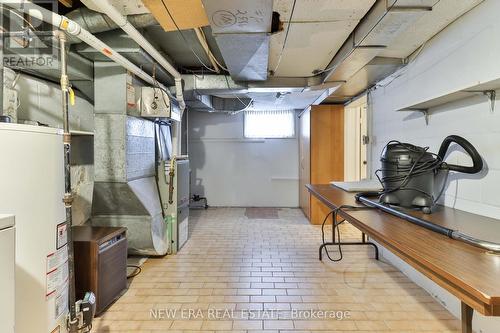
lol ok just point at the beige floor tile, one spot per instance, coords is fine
(242, 269)
(217, 325)
(186, 324)
(247, 325)
(278, 324)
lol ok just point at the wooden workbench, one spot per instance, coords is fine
(470, 273)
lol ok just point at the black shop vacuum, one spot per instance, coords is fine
(410, 175)
(414, 178)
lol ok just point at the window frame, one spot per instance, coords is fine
(294, 136)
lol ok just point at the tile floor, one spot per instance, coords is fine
(248, 275)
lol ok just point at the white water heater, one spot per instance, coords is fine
(7, 262)
(32, 188)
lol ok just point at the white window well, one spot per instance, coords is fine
(269, 124)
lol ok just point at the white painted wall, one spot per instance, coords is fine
(463, 54)
(232, 171)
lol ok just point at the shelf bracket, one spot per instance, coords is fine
(425, 112)
(491, 94)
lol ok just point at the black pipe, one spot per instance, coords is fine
(453, 234)
(415, 220)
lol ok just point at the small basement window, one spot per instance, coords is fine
(269, 124)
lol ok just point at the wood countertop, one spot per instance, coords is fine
(470, 273)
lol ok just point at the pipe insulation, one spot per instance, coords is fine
(122, 21)
(74, 29)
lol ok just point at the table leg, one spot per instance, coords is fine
(334, 221)
(467, 313)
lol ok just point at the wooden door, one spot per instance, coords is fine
(355, 135)
(304, 161)
(327, 152)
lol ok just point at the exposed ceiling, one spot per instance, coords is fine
(400, 31)
(349, 44)
(173, 43)
(317, 30)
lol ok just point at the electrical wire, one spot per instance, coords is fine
(156, 85)
(335, 225)
(236, 96)
(335, 228)
(185, 39)
(241, 110)
(286, 36)
(210, 53)
(405, 173)
(137, 271)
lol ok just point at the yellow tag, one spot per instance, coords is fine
(64, 24)
(71, 96)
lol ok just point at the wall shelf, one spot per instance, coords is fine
(488, 89)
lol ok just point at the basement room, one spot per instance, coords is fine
(247, 166)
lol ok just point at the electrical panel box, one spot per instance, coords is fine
(156, 103)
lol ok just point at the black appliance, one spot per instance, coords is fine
(410, 174)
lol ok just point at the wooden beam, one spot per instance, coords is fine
(67, 3)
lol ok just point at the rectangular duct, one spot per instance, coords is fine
(125, 190)
(241, 29)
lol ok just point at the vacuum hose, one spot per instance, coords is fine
(454, 234)
(477, 161)
(477, 166)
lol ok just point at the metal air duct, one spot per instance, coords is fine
(96, 22)
(125, 190)
(241, 29)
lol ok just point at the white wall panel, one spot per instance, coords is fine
(232, 171)
(466, 51)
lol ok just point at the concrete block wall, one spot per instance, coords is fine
(463, 54)
(233, 171)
